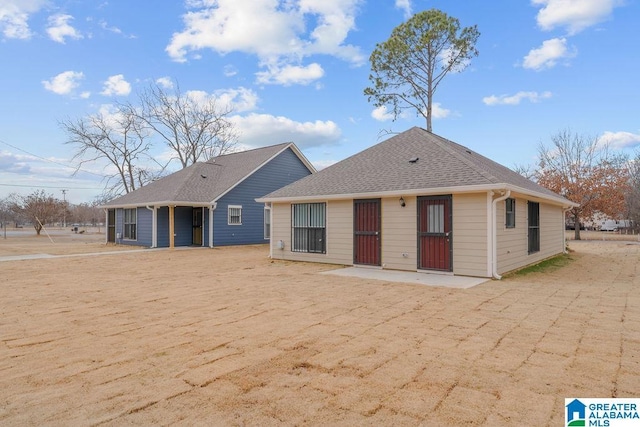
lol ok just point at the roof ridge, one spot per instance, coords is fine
(250, 150)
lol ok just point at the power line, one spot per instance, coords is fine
(51, 186)
(51, 161)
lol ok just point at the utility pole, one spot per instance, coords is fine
(64, 211)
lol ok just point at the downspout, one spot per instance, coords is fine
(154, 228)
(494, 243)
(213, 208)
(564, 239)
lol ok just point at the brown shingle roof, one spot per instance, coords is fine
(202, 182)
(386, 167)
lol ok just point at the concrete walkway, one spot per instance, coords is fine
(43, 256)
(428, 279)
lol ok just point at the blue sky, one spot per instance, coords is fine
(295, 70)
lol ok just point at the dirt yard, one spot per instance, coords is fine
(227, 337)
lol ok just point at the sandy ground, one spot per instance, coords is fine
(228, 337)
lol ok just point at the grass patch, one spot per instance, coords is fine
(544, 266)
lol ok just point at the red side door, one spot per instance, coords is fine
(434, 233)
(366, 232)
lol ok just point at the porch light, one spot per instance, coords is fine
(402, 203)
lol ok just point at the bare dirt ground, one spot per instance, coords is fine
(228, 337)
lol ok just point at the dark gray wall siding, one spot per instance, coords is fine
(163, 227)
(282, 170)
(183, 226)
(143, 227)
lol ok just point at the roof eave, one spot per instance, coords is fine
(423, 192)
(157, 203)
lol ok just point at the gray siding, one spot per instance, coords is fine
(183, 226)
(143, 228)
(163, 227)
(282, 170)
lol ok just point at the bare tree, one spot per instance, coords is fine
(38, 207)
(584, 170)
(121, 139)
(193, 126)
(525, 170)
(86, 214)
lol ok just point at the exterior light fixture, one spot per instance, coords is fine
(402, 203)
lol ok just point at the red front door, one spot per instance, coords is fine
(434, 233)
(366, 232)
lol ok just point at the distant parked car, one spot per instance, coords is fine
(609, 225)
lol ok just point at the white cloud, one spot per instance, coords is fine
(105, 26)
(575, 15)
(14, 163)
(322, 164)
(116, 85)
(238, 100)
(258, 130)
(290, 74)
(547, 55)
(64, 83)
(438, 111)
(405, 5)
(620, 139)
(165, 82)
(381, 114)
(59, 28)
(14, 17)
(515, 99)
(285, 34)
(230, 71)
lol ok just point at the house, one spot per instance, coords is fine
(418, 202)
(209, 203)
(576, 410)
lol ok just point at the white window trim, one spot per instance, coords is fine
(267, 211)
(506, 215)
(229, 214)
(124, 224)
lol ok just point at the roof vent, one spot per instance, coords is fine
(203, 175)
(414, 159)
(468, 151)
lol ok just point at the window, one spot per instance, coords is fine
(234, 215)
(130, 220)
(267, 223)
(308, 225)
(435, 217)
(534, 227)
(510, 213)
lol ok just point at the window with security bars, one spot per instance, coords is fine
(510, 213)
(534, 227)
(308, 227)
(234, 215)
(130, 221)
